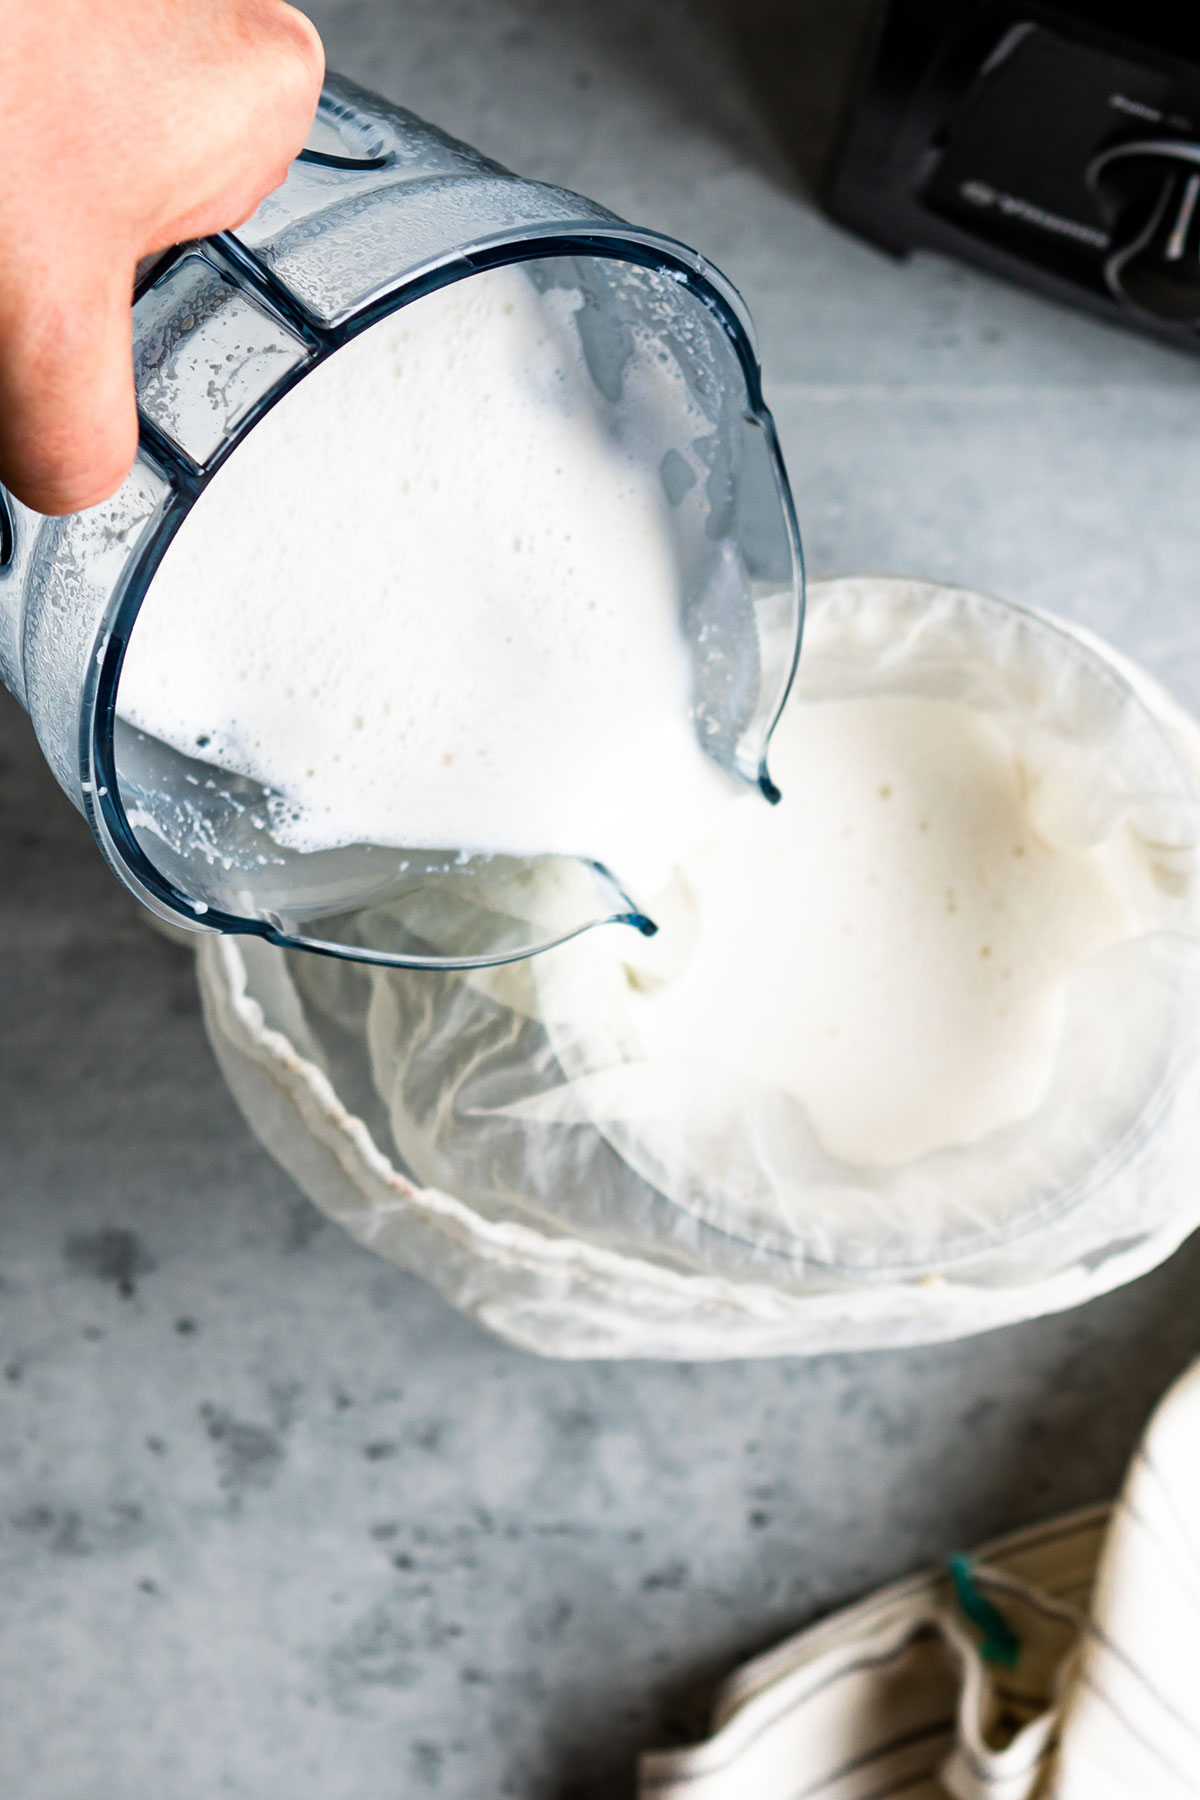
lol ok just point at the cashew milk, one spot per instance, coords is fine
(891, 944)
(433, 601)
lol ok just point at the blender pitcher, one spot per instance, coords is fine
(380, 210)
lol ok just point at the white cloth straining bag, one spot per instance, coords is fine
(487, 1132)
(1060, 1663)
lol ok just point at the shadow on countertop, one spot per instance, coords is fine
(796, 61)
(1095, 1375)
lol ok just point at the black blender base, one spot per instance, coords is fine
(1055, 146)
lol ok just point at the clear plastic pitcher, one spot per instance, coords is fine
(381, 210)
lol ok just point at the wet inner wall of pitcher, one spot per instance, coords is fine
(668, 392)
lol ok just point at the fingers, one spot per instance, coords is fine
(236, 135)
(68, 422)
(178, 120)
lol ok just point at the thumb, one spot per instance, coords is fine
(68, 421)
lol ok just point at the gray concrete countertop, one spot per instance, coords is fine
(273, 1520)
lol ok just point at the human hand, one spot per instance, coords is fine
(125, 127)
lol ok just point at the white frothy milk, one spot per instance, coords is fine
(890, 946)
(433, 601)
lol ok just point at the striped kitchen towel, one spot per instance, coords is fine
(1059, 1663)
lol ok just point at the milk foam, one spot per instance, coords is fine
(891, 945)
(433, 601)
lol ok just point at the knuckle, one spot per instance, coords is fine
(295, 44)
(306, 44)
(275, 80)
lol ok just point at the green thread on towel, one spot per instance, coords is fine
(1000, 1642)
